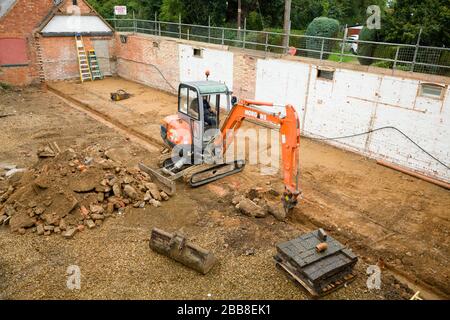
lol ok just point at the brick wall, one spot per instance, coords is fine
(84, 8)
(59, 56)
(19, 22)
(22, 21)
(148, 60)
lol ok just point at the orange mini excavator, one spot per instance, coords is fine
(198, 145)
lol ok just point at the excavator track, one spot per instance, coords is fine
(200, 176)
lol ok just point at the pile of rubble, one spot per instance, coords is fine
(68, 191)
(260, 202)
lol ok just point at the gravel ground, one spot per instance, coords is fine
(115, 260)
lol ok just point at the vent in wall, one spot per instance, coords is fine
(325, 73)
(431, 90)
(198, 52)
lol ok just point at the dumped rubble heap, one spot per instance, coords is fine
(258, 202)
(66, 191)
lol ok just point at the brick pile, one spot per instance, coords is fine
(67, 192)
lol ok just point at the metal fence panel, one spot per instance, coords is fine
(414, 58)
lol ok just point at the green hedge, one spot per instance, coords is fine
(367, 49)
(321, 27)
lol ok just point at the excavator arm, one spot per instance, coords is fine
(289, 127)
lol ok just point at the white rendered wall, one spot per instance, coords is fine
(218, 62)
(356, 102)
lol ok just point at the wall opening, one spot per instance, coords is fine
(325, 74)
(198, 52)
(431, 90)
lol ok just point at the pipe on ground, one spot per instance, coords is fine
(414, 174)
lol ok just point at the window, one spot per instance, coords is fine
(13, 52)
(188, 103)
(431, 90)
(193, 104)
(198, 52)
(325, 74)
(183, 100)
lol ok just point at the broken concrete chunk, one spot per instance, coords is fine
(147, 196)
(236, 199)
(97, 216)
(277, 211)
(154, 190)
(164, 196)
(130, 192)
(40, 229)
(100, 197)
(110, 207)
(155, 203)
(90, 224)
(249, 208)
(128, 180)
(62, 224)
(21, 220)
(45, 152)
(117, 190)
(38, 210)
(7, 194)
(70, 233)
(51, 218)
(96, 209)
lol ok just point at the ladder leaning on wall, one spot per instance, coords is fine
(93, 64)
(83, 63)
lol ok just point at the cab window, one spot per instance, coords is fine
(193, 104)
(183, 100)
(188, 103)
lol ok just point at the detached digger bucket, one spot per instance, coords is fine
(120, 95)
(177, 247)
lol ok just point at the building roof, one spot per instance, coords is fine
(66, 25)
(5, 5)
(209, 87)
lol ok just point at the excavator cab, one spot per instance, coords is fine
(199, 104)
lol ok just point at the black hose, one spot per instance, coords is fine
(382, 128)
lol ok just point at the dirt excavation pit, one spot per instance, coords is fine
(73, 164)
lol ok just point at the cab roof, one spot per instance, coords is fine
(208, 87)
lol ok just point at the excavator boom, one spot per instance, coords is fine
(288, 123)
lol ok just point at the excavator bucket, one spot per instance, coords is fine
(177, 247)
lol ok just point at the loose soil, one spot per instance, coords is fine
(385, 217)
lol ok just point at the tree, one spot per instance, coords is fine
(304, 11)
(407, 17)
(367, 49)
(143, 9)
(321, 27)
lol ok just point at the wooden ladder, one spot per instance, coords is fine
(93, 64)
(83, 63)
